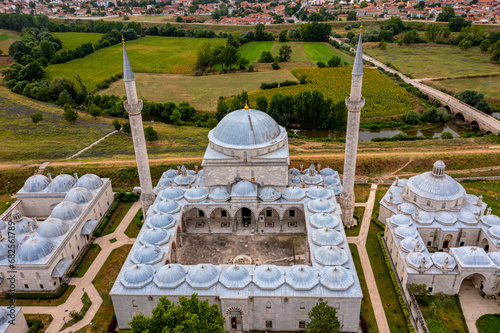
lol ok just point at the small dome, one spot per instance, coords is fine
(35, 248)
(36, 183)
(137, 276)
(66, 210)
(184, 180)
(155, 236)
(78, 195)
(244, 188)
(396, 198)
(472, 209)
(89, 181)
(165, 182)
(323, 220)
(52, 227)
(328, 172)
(203, 276)
(147, 254)
(327, 237)
(331, 256)
(336, 189)
(312, 179)
(336, 278)
(320, 206)
(495, 231)
(235, 277)
(269, 194)
(171, 173)
(410, 245)
(294, 180)
(439, 258)
(331, 180)
(407, 208)
(471, 256)
(467, 217)
(293, 193)
(490, 220)
(302, 277)
(161, 220)
(495, 257)
(416, 259)
(406, 231)
(423, 217)
(170, 276)
(318, 192)
(396, 190)
(445, 218)
(294, 172)
(400, 220)
(471, 199)
(220, 194)
(402, 183)
(62, 183)
(172, 193)
(196, 194)
(23, 226)
(268, 277)
(167, 206)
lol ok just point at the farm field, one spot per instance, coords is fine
(202, 92)
(70, 40)
(150, 54)
(488, 85)
(7, 37)
(434, 61)
(383, 96)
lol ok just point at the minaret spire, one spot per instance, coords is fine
(133, 106)
(354, 103)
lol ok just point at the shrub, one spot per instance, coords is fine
(69, 114)
(321, 64)
(150, 134)
(95, 111)
(335, 62)
(433, 115)
(275, 65)
(411, 117)
(48, 295)
(288, 83)
(211, 122)
(269, 85)
(36, 117)
(266, 56)
(106, 218)
(126, 127)
(446, 135)
(116, 124)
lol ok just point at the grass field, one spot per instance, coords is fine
(383, 96)
(7, 37)
(135, 225)
(488, 323)
(358, 215)
(45, 318)
(52, 138)
(116, 218)
(70, 40)
(448, 312)
(86, 262)
(150, 54)
(202, 92)
(434, 61)
(488, 85)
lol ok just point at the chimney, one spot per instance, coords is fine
(301, 168)
(179, 169)
(319, 167)
(76, 175)
(49, 175)
(196, 168)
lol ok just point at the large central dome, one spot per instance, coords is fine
(246, 128)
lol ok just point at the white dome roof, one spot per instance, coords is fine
(161, 220)
(327, 237)
(89, 181)
(406, 231)
(36, 183)
(52, 227)
(328, 172)
(495, 231)
(294, 172)
(336, 189)
(407, 208)
(66, 210)
(171, 173)
(331, 256)
(440, 188)
(167, 206)
(220, 194)
(302, 277)
(268, 277)
(320, 206)
(409, 244)
(184, 179)
(467, 217)
(336, 278)
(155, 236)
(445, 218)
(137, 276)
(62, 183)
(203, 276)
(490, 220)
(78, 195)
(269, 194)
(246, 128)
(495, 257)
(414, 260)
(147, 254)
(471, 256)
(293, 193)
(235, 277)
(331, 180)
(323, 220)
(400, 220)
(172, 193)
(170, 276)
(244, 188)
(196, 194)
(423, 217)
(317, 192)
(35, 248)
(439, 258)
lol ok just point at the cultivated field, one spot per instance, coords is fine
(7, 37)
(70, 40)
(150, 54)
(488, 85)
(434, 61)
(383, 96)
(200, 91)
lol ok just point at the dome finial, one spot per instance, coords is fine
(123, 40)
(246, 105)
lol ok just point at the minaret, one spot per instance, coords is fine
(133, 105)
(354, 104)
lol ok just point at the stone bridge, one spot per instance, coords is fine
(458, 109)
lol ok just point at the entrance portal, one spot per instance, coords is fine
(246, 217)
(447, 241)
(236, 320)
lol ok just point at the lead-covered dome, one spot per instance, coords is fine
(320, 206)
(490, 220)
(269, 194)
(406, 231)
(331, 256)
(203, 276)
(161, 220)
(327, 237)
(62, 183)
(35, 248)
(220, 194)
(147, 254)
(419, 261)
(36, 183)
(336, 278)
(235, 277)
(78, 195)
(471, 256)
(246, 128)
(196, 194)
(66, 210)
(324, 220)
(172, 193)
(318, 192)
(410, 244)
(293, 193)
(400, 220)
(170, 276)
(444, 261)
(52, 227)
(137, 276)
(89, 181)
(167, 206)
(268, 277)
(155, 236)
(302, 277)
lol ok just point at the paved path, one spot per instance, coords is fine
(93, 144)
(84, 284)
(474, 306)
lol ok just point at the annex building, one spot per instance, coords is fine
(44, 232)
(439, 235)
(263, 241)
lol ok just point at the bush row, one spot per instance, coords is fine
(105, 220)
(41, 295)
(280, 84)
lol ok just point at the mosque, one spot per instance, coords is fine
(439, 235)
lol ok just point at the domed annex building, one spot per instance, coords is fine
(53, 221)
(224, 233)
(439, 235)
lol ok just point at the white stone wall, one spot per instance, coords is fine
(272, 175)
(20, 325)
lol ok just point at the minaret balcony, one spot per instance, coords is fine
(355, 105)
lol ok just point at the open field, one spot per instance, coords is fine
(202, 92)
(150, 54)
(448, 312)
(7, 37)
(488, 85)
(70, 40)
(383, 96)
(434, 61)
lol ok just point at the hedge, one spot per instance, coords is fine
(105, 220)
(46, 295)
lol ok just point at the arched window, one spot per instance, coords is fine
(268, 305)
(443, 206)
(302, 306)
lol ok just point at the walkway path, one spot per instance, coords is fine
(360, 241)
(73, 303)
(474, 306)
(93, 144)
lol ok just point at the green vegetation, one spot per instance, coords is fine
(488, 85)
(367, 314)
(42, 321)
(116, 218)
(150, 54)
(76, 316)
(135, 225)
(488, 323)
(433, 61)
(7, 37)
(361, 192)
(490, 189)
(358, 215)
(323, 318)
(443, 311)
(70, 40)
(41, 299)
(86, 260)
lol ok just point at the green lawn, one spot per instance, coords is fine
(202, 92)
(446, 311)
(40, 302)
(150, 54)
(87, 303)
(116, 218)
(87, 260)
(70, 40)
(7, 37)
(361, 192)
(366, 304)
(488, 85)
(45, 318)
(135, 225)
(434, 61)
(488, 323)
(253, 50)
(358, 214)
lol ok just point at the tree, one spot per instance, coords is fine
(335, 61)
(205, 56)
(116, 124)
(475, 99)
(259, 32)
(95, 111)
(434, 115)
(446, 14)
(150, 134)
(418, 289)
(323, 319)
(433, 31)
(178, 19)
(189, 315)
(64, 98)
(285, 53)
(36, 117)
(261, 103)
(458, 22)
(266, 56)
(465, 44)
(229, 56)
(212, 122)
(411, 117)
(283, 36)
(446, 135)
(485, 45)
(382, 45)
(126, 127)
(351, 16)
(69, 114)
(176, 117)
